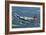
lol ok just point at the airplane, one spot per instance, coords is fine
(26, 18)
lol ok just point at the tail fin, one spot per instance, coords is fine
(17, 15)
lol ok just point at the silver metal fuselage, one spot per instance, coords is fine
(27, 18)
